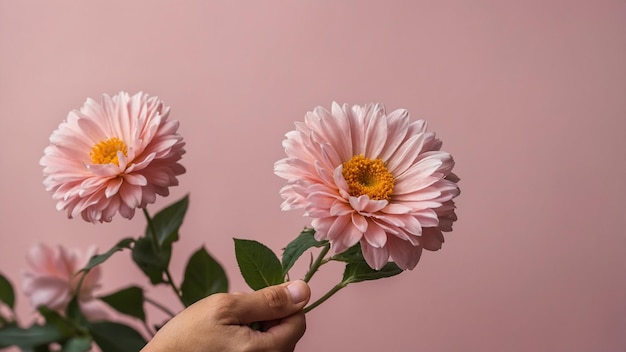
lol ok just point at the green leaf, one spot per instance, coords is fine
(167, 222)
(30, 337)
(116, 337)
(65, 326)
(77, 344)
(74, 313)
(151, 260)
(7, 295)
(298, 246)
(127, 301)
(203, 277)
(154, 258)
(357, 272)
(259, 266)
(101, 258)
(350, 255)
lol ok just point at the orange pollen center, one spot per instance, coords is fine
(367, 176)
(105, 152)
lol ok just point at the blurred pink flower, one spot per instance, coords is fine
(114, 155)
(52, 282)
(364, 176)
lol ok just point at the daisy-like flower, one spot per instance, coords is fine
(52, 280)
(113, 156)
(365, 176)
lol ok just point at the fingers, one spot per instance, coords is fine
(270, 303)
(284, 335)
(221, 320)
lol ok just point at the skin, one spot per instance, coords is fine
(220, 322)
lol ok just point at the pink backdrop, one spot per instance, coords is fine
(529, 96)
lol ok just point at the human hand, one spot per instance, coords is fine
(220, 322)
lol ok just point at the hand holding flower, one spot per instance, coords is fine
(221, 322)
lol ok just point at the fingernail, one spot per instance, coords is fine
(298, 290)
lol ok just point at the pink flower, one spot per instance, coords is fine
(114, 155)
(52, 282)
(364, 176)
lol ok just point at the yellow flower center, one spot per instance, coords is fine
(367, 176)
(105, 152)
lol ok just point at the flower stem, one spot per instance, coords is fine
(328, 294)
(155, 243)
(319, 261)
(159, 306)
(170, 281)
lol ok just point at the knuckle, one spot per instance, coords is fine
(275, 297)
(222, 305)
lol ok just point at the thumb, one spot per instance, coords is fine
(274, 302)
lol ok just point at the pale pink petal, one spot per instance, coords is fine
(360, 203)
(375, 136)
(350, 236)
(135, 179)
(374, 206)
(375, 235)
(406, 154)
(395, 208)
(376, 258)
(41, 258)
(397, 123)
(431, 239)
(50, 292)
(94, 310)
(131, 195)
(337, 133)
(113, 186)
(427, 218)
(403, 253)
(338, 208)
(336, 230)
(359, 222)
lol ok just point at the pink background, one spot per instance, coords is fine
(529, 96)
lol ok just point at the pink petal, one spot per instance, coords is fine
(395, 208)
(113, 186)
(359, 222)
(376, 258)
(375, 235)
(48, 291)
(94, 310)
(405, 155)
(431, 239)
(131, 195)
(375, 136)
(403, 253)
(135, 179)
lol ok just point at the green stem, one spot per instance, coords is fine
(159, 306)
(170, 281)
(319, 261)
(155, 243)
(323, 299)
